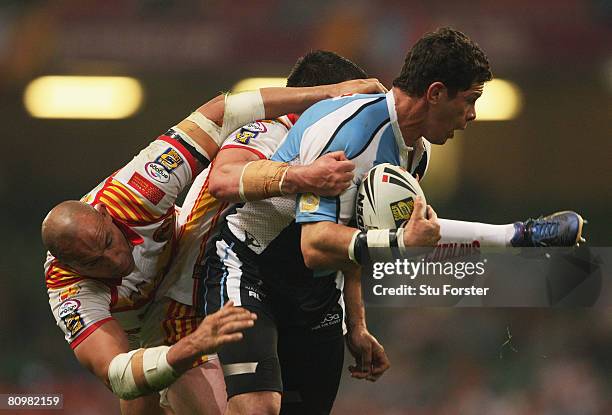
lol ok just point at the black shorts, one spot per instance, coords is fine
(295, 351)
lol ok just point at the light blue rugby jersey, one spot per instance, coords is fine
(364, 127)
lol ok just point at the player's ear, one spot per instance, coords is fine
(435, 92)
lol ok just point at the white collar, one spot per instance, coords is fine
(399, 138)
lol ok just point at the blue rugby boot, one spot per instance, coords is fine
(559, 229)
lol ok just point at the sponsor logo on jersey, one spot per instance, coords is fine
(250, 240)
(309, 203)
(256, 127)
(169, 159)
(153, 193)
(254, 295)
(68, 307)
(157, 172)
(401, 210)
(71, 291)
(250, 131)
(328, 320)
(74, 323)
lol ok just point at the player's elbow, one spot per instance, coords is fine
(312, 258)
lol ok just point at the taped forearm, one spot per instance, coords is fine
(262, 179)
(140, 372)
(201, 128)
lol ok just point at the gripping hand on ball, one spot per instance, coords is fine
(423, 228)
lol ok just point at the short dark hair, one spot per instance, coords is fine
(447, 56)
(321, 67)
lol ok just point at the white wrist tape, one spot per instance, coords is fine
(378, 238)
(140, 372)
(241, 109)
(399, 233)
(351, 247)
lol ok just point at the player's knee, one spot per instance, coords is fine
(255, 403)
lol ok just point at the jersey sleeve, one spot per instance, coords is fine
(356, 137)
(80, 308)
(260, 137)
(146, 189)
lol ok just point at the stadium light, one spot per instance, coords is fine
(83, 97)
(250, 84)
(501, 100)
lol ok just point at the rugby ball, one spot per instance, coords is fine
(386, 197)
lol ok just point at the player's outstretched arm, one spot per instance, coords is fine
(217, 329)
(328, 245)
(140, 372)
(239, 175)
(210, 124)
(371, 361)
(95, 354)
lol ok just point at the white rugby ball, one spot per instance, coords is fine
(386, 197)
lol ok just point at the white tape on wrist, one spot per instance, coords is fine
(378, 238)
(400, 240)
(351, 247)
(241, 109)
(140, 372)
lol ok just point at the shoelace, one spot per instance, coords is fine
(542, 230)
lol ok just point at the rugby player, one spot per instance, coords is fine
(253, 260)
(201, 211)
(108, 252)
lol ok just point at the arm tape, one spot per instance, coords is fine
(362, 242)
(241, 109)
(140, 372)
(261, 179)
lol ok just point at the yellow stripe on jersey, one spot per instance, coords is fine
(205, 204)
(58, 277)
(126, 206)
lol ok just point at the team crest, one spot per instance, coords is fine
(250, 131)
(309, 202)
(401, 210)
(169, 159)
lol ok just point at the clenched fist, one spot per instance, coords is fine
(329, 175)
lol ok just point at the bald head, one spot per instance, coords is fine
(66, 225)
(87, 239)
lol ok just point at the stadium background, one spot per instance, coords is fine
(556, 154)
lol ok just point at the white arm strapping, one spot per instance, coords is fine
(241, 109)
(140, 372)
(206, 125)
(351, 247)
